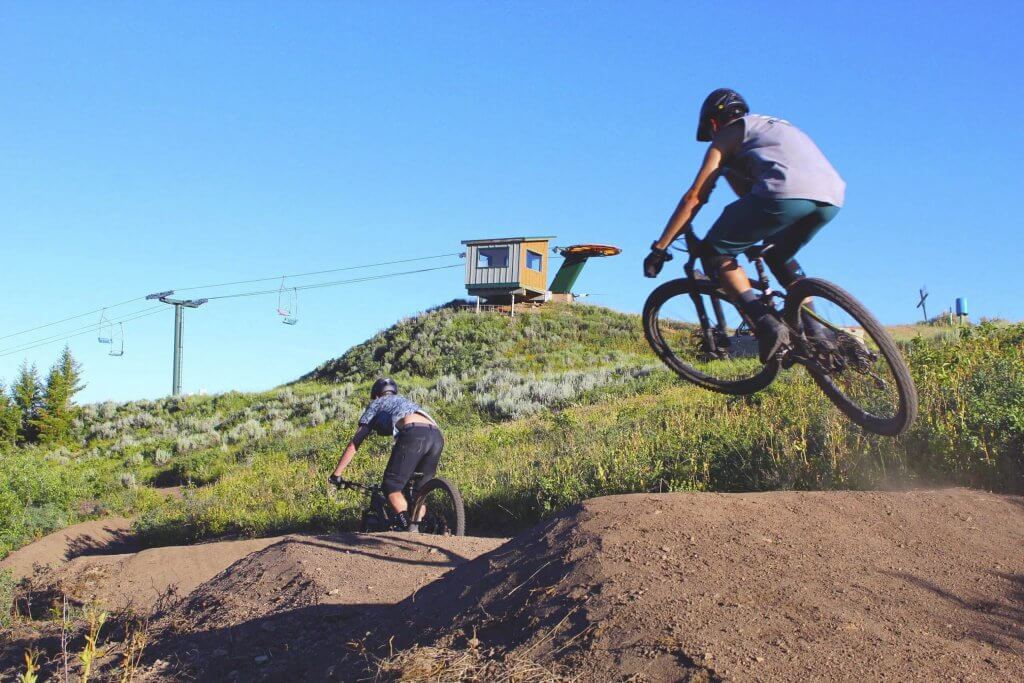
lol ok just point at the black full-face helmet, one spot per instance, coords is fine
(723, 105)
(385, 385)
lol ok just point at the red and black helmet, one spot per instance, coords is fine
(723, 105)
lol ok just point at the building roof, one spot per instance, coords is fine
(509, 240)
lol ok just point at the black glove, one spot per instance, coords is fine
(655, 260)
(335, 480)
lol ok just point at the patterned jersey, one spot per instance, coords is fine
(383, 414)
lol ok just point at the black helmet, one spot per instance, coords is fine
(723, 105)
(385, 385)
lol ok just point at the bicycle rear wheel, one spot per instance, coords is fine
(853, 359)
(727, 362)
(439, 508)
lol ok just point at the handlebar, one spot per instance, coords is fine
(347, 484)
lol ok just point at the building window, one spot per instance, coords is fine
(492, 257)
(534, 261)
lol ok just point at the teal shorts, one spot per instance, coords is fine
(787, 224)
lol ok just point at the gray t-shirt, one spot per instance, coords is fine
(782, 162)
(383, 414)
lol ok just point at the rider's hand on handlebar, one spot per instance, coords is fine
(655, 260)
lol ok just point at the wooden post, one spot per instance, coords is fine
(478, 304)
(513, 305)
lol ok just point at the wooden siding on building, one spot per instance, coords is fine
(534, 279)
(496, 281)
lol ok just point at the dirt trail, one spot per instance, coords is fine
(783, 586)
(775, 586)
(109, 536)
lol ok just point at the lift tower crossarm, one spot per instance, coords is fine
(179, 328)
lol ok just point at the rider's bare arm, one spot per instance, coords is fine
(350, 450)
(694, 198)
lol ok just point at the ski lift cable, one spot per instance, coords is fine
(72, 336)
(318, 272)
(155, 309)
(335, 283)
(100, 309)
(78, 332)
(74, 317)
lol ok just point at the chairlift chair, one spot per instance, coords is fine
(117, 343)
(106, 329)
(288, 304)
(293, 307)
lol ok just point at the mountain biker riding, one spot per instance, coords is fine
(418, 443)
(787, 192)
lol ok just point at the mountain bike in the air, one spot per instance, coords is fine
(435, 507)
(706, 339)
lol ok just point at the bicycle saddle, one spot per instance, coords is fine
(757, 251)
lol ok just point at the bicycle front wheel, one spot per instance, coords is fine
(724, 358)
(852, 357)
(439, 509)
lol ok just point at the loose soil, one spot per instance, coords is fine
(771, 586)
(109, 536)
(925, 585)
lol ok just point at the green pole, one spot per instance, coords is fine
(567, 275)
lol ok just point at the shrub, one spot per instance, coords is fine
(161, 457)
(7, 584)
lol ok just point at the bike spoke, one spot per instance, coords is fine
(437, 514)
(852, 360)
(728, 354)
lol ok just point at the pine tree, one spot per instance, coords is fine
(71, 370)
(10, 419)
(56, 413)
(27, 395)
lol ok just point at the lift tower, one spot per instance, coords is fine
(179, 327)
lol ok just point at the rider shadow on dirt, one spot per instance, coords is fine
(996, 621)
(362, 544)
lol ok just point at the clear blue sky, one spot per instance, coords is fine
(148, 146)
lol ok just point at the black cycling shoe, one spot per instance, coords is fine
(772, 336)
(400, 521)
(815, 330)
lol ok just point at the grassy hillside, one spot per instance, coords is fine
(539, 412)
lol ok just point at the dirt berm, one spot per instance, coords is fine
(774, 586)
(785, 586)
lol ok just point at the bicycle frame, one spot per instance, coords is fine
(715, 335)
(379, 503)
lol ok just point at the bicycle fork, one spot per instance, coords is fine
(711, 334)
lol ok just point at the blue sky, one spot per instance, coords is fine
(150, 146)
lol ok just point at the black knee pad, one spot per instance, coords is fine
(786, 272)
(713, 262)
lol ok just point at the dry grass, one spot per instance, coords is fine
(440, 664)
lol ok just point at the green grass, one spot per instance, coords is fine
(539, 412)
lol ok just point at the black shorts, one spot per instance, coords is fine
(417, 449)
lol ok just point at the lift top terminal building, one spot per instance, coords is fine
(499, 269)
(512, 269)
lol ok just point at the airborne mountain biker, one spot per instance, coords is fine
(418, 443)
(787, 192)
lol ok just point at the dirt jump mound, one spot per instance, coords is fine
(774, 586)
